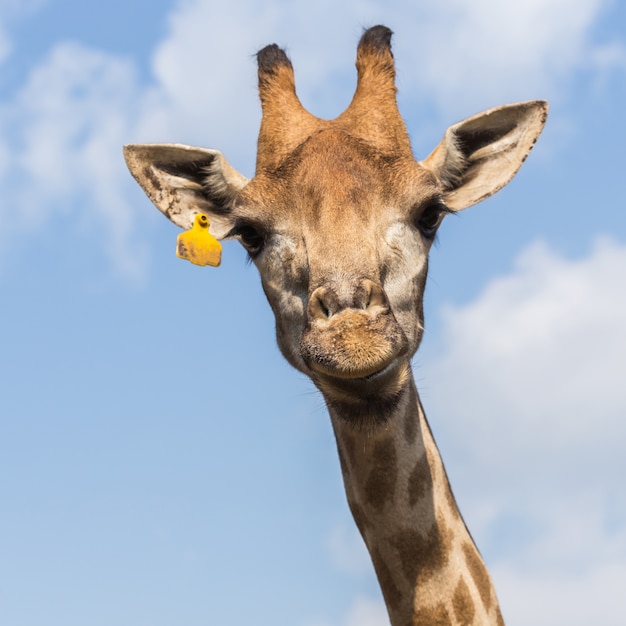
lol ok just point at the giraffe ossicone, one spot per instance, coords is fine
(339, 219)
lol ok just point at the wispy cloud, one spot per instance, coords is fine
(63, 132)
(453, 55)
(485, 52)
(12, 11)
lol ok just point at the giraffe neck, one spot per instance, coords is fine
(427, 564)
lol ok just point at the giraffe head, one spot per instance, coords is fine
(340, 217)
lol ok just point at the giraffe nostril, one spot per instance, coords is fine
(322, 304)
(321, 307)
(375, 295)
(368, 296)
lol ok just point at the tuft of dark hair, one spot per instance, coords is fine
(376, 37)
(272, 57)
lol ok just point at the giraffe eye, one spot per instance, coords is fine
(251, 239)
(430, 218)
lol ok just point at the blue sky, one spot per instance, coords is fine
(159, 462)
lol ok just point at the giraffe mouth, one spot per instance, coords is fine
(381, 382)
(356, 355)
(382, 372)
(370, 372)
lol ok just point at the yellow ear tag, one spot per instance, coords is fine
(198, 245)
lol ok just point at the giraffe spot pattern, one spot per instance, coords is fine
(463, 605)
(381, 482)
(432, 616)
(479, 573)
(421, 556)
(420, 481)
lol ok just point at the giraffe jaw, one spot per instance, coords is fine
(381, 385)
(371, 372)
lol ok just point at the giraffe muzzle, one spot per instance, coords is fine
(351, 335)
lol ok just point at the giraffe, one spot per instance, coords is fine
(339, 219)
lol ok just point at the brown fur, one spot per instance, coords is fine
(381, 483)
(436, 615)
(463, 605)
(479, 573)
(422, 555)
(420, 481)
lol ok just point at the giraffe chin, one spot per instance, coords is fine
(381, 384)
(372, 371)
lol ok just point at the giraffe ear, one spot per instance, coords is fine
(481, 154)
(183, 181)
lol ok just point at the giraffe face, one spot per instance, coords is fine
(339, 218)
(340, 235)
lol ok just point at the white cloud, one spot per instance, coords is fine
(546, 347)
(528, 399)
(459, 55)
(575, 599)
(63, 135)
(10, 11)
(5, 44)
(489, 51)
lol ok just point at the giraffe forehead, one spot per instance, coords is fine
(335, 174)
(335, 188)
